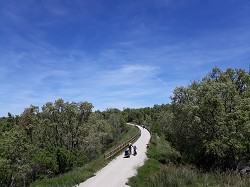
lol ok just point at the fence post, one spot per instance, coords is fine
(118, 148)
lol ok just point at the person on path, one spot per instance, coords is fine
(135, 148)
(126, 154)
(130, 148)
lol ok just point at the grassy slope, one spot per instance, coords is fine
(161, 170)
(81, 174)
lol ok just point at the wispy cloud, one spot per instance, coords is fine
(128, 75)
(133, 59)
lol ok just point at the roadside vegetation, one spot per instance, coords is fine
(164, 167)
(88, 170)
(159, 153)
(208, 124)
(59, 137)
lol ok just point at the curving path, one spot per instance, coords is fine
(117, 172)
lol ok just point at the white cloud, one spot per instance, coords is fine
(139, 68)
(128, 75)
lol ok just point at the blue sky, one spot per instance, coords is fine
(115, 53)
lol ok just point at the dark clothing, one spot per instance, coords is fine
(126, 154)
(130, 147)
(135, 152)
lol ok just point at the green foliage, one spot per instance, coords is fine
(87, 170)
(15, 154)
(170, 175)
(209, 123)
(46, 161)
(73, 177)
(7, 124)
(156, 172)
(159, 153)
(157, 118)
(155, 127)
(62, 136)
(211, 119)
(143, 173)
(54, 160)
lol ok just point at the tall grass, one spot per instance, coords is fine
(141, 179)
(170, 175)
(81, 174)
(162, 169)
(159, 152)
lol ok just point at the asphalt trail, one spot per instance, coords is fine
(117, 172)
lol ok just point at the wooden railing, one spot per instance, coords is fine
(122, 146)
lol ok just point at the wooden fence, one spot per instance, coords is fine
(122, 146)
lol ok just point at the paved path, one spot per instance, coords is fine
(117, 172)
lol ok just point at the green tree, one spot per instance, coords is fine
(210, 121)
(15, 156)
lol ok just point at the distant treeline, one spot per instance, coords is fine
(50, 142)
(208, 121)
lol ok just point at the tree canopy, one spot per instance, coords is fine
(53, 140)
(211, 119)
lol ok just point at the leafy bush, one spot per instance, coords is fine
(161, 150)
(45, 162)
(211, 119)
